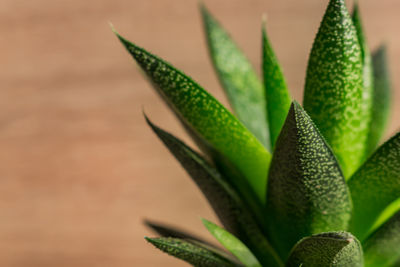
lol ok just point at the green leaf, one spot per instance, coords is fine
(381, 99)
(232, 244)
(374, 186)
(168, 231)
(237, 76)
(207, 117)
(333, 95)
(368, 77)
(227, 204)
(190, 252)
(335, 249)
(278, 98)
(382, 247)
(307, 193)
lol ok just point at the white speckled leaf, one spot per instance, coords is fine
(237, 76)
(307, 193)
(382, 248)
(374, 186)
(335, 249)
(333, 95)
(190, 252)
(232, 244)
(232, 211)
(207, 117)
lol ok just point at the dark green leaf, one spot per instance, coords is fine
(335, 249)
(237, 76)
(368, 77)
(168, 231)
(231, 210)
(307, 193)
(382, 248)
(278, 98)
(232, 244)
(207, 117)
(381, 99)
(333, 95)
(374, 186)
(190, 252)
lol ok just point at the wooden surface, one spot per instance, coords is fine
(79, 169)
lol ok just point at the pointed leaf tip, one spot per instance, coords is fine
(305, 184)
(333, 95)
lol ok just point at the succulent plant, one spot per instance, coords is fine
(292, 185)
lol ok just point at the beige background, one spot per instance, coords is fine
(79, 168)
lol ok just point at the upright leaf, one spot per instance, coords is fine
(368, 77)
(307, 193)
(375, 185)
(234, 214)
(333, 95)
(335, 249)
(277, 94)
(232, 244)
(207, 117)
(382, 247)
(237, 76)
(381, 99)
(190, 252)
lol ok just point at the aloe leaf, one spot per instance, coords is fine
(307, 193)
(375, 185)
(276, 90)
(335, 249)
(190, 252)
(381, 98)
(237, 76)
(382, 247)
(209, 118)
(168, 231)
(368, 74)
(227, 204)
(232, 244)
(333, 95)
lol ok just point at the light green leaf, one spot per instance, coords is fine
(374, 186)
(278, 98)
(237, 76)
(381, 99)
(368, 75)
(190, 252)
(207, 117)
(335, 249)
(232, 244)
(232, 211)
(307, 193)
(382, 247)
(333, 95)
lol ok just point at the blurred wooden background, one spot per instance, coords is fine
(79, 169)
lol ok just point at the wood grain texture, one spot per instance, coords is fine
(79, 168)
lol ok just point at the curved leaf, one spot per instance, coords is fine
(237, 76)
(307, 193)
(382, 247)
(277, 94)
(368, 77)
(381, 98)
(232, 244)
(208, 118)
(333, 95)
(375, 185)
(228, 206)
(189, 252)
(335, 249)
